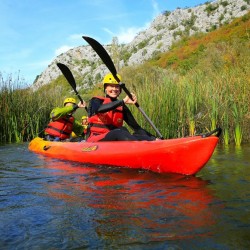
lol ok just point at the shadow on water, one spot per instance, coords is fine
(54, 204)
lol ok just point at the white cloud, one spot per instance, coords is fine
(155, 8)
(109, 31)
(62, 49)
(38, 64)
(75, 39)
(14, 55)
(126, 35)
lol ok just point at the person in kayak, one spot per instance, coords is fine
(85, 123)
(106, 116)
(74, 137)
(63, 123)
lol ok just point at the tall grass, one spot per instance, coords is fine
(24, 113)
(237, 114)
(215, 93)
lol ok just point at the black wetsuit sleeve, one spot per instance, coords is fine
(129, 119)
(96, 106)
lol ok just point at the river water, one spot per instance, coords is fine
(51, 204)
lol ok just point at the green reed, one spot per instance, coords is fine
(190, 98)
(225, 129)
(24, 112)
(214, 94)
(158, 96)
(238, 133)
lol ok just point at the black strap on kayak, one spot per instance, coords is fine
(217, 131)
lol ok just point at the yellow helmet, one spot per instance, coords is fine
(109, 79)
(84, 117)
(71, 100)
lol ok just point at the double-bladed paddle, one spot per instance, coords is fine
(70, 78)
(103, 54)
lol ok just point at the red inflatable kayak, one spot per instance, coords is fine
(183, 155)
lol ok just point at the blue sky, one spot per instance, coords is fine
(34, 32)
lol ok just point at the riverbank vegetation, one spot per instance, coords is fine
(203, 82)
(23, 111)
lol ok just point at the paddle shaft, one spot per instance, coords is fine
(141, 110)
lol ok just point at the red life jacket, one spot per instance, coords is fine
(100, 124)
(61, 128)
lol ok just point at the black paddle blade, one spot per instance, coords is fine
(103, 54)
(70, 78)
(68, 75)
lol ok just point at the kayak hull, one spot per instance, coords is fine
(182, 155)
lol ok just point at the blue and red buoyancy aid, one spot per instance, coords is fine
(100, 124)
(61, 128)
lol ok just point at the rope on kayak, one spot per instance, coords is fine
(217, 131)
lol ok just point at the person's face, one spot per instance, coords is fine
(112, 90)
(69, 104)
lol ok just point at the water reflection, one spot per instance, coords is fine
(131, 207)
(51, 204)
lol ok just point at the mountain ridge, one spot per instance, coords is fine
(164, 30)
